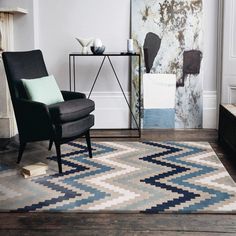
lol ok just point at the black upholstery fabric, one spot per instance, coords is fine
(73, 129)
(67, 95)
(33, 120)
(71, 110)
(23, 65)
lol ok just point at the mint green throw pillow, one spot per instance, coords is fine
(44, 90)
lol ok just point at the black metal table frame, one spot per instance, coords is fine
(72, 76)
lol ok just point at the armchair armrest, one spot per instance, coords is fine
(32, 117)
(67, 95)
(31, 108)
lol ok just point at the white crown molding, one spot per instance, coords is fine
(15, 10)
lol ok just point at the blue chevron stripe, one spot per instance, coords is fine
(95, 193)
(187, 195)
(46, 181)
(4, 167)
(72, 181)
(216, 196)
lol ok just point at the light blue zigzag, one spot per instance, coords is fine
(153, 193)
(4, 167)
(219, 196)
(72, 181)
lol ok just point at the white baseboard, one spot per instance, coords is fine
(111, 110)
(209, 109)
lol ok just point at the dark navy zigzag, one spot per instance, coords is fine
(187, 195)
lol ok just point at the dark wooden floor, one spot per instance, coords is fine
(69, 224)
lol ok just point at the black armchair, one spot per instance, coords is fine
(58, 123)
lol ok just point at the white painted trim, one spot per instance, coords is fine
(36, 23)
(15, 10)
(219, 64)
(231, 90)
(210, 110)
(232, 27)
(7, 121)
(111, 110)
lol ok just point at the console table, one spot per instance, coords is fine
(227, 127)
(108, 56)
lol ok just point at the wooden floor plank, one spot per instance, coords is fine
(109, 233)
(137, 222)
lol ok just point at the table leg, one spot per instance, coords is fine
(96, 77)
(70, 72)
(140, 94)
(74, 72)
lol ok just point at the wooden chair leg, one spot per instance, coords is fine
(21, 150)
(50, 145)
(58, 150)
(87, 135)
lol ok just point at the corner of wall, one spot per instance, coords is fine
(36, 23)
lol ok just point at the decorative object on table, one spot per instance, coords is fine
(151, 177)
(84, 43)
(151, 47)
(97, 48)
(159, 100)
(191, 64)
(97, 43)
(130, 46)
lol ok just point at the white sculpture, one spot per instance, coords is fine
(85, 43)
(97, 43)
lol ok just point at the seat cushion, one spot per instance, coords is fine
(71, 110)
(76, 128)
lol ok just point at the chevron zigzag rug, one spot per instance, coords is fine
(148, 177)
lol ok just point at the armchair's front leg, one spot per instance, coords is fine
(21, 150)
(88, 140)
(58, 150)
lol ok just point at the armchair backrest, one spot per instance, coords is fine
(19, 65)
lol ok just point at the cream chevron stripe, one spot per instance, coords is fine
(125, 194)
(202, 159)
(211, 181)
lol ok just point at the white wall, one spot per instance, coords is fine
(60, 23)
(210, 12)
(52, 26)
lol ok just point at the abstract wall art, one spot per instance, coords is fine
(178, 25)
